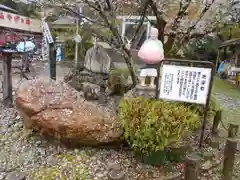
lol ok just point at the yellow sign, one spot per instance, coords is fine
(14, 21)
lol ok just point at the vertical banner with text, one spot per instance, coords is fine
(47, 38)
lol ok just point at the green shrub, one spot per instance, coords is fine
(118, 79)
(200, 108)
(152, 125)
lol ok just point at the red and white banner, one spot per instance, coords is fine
(14, 21)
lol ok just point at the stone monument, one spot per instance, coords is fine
(91, 78)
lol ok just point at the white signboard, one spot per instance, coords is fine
(47, 32)
(15, 21)
(187, 84)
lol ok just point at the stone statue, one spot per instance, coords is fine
(151, 52)
(93, 76)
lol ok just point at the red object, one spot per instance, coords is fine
(28, 21)
(9, 16)
(180, 166)
(16, 18)
(151, 51)
(1, 15)
(6, 36)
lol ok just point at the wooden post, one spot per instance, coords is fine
(192, 167)
(7, 79)
(233, 130)
(52, 61)
(229, 157)
(102, 98)
(217, 61)
(216, 121)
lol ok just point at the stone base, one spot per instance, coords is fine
(144, 91)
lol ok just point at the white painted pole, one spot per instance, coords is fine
(123, 28)
(148, 30)
(76, 45)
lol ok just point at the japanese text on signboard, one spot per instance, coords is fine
(47, 32)
(15, 21)
(14, 17)
(187, 84)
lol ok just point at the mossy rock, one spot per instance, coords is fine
(118, 81)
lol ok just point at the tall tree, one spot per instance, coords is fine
(29, 10)
(9, 3)
(178, 21)
(24, 9)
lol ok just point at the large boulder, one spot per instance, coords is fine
(97, 60)
(55, 109)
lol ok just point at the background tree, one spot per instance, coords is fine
(178, 21)
(24, 9)
(28, 10)
(230, 31)
(208, 44)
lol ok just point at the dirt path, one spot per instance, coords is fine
(41, 70)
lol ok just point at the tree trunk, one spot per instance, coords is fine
(161, 26)
(168, 45)
(129, 61)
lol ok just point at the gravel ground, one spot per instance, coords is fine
(228, 103)
(40, 159)
(26, 154)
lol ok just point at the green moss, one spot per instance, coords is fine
(68, 167)
(118, 79)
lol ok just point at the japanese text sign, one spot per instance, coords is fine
(47, 32)
(14, 21)
(186, 84)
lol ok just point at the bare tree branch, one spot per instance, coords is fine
(143, 16)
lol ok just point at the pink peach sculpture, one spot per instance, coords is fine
(151, 52)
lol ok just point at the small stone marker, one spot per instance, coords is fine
(115, 172)
(102, 99)
(192, 167)
(229, 158)
(16, 176)
(233, 130)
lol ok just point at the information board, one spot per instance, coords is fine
(186, 84)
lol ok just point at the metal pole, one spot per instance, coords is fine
(76, 45)
(206, 108)
(217, 61)
(52, 61)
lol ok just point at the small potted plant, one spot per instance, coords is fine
(154, 128)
